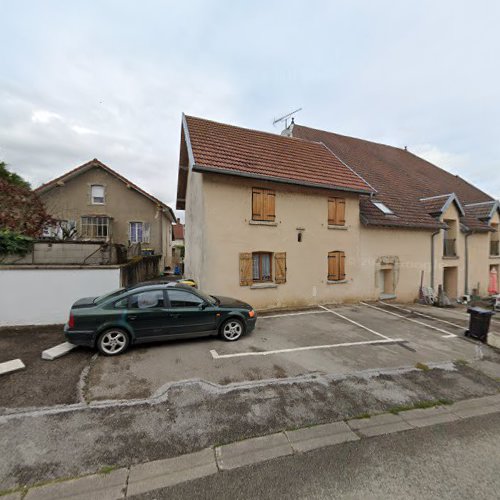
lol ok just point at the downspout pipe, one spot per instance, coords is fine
(466, 284)
(433, 235)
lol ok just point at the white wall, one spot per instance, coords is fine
(44, 296)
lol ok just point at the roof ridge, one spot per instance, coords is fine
(481, 203)
(437, 196)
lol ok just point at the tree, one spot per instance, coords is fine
(12, 177)
(21, 210)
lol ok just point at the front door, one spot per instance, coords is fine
(147, 314)
(189, 314)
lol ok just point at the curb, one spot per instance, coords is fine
(145, 477)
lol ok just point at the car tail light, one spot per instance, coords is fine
(71, 322)
(251, 313)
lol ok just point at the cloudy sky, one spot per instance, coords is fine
(110, 79)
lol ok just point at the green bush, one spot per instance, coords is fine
(12, 243)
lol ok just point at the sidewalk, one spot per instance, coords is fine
(142, 478)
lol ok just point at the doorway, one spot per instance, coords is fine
(450, 282)
(387, 282)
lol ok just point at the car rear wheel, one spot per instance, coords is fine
(232, 329)
(113, 342)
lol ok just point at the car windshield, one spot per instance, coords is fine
(107, 296)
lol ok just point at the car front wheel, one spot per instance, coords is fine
(232, 329)
(113, 342)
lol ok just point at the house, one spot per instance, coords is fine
(311, 217)
(177, 244)
(94, 203)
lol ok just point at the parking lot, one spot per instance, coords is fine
(326, 340)
(332, 339)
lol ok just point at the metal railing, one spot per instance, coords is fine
(494, 248)
(449, 248)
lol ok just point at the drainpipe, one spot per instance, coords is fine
(432, 257)
(466, 284)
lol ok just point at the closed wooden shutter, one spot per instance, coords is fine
(257, 204)
(263, 204)
(340, 212)
(336, 211)
(280, 267)
(269, 205)
(336, 266)
(333, 266)
(245, 269)
(341, 265)
(332, 211)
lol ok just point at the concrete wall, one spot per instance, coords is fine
(72, 200)
(30, 296)
(227, 231)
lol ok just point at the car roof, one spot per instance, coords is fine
(148, 285)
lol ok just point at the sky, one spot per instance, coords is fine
(110, 79)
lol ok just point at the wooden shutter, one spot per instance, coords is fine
(332, 211)
(336, 211)
(340, 212)
(333, 266)
(257, 204)
(146, 232)
(245, 269)
(269, 205)
(341, 265)
(280, 267)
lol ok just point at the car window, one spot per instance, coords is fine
(181, 298)
(147, 300)
(121, 304)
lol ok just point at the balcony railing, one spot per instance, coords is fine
(494, 248)
(449, 249)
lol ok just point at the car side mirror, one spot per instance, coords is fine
(203, 305)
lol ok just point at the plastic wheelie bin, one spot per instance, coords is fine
(479, 323)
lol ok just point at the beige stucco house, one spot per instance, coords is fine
(311, 217)
(93, 202)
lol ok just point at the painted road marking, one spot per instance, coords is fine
(355, 323)
(291, 314)
(448, 335)
(11, 366)
(216, 355)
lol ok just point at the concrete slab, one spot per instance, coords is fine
(251, 451)
(11, 366)
(380, 424)
(95, 487)
(320, 435)
(58, 351)
(494, 339)
(428, 416)
(162, 473)
(12, 496)
(477, 406)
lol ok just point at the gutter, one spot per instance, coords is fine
(432, 256)
(213, 170)
(466, 284)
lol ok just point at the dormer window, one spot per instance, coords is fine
(97, 194)
(383, 208)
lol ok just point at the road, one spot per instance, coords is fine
(457, 460)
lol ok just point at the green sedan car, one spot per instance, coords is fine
(154, 312)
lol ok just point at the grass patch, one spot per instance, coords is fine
(461, 362)
(361, 416)
(420, 405)
(107, 469)
(422, 366)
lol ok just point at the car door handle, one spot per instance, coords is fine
(132, 317)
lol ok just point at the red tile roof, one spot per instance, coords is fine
(233, 150)
(401, 179)
(99, 164)
(178, 230)
(482, 210)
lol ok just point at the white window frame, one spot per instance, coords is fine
(93, 197)
(145, 233)
(91, 227)
(383, 207)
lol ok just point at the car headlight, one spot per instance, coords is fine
(251, 313)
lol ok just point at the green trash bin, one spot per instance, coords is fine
(479, 323)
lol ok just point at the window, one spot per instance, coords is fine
(336, 212)
(383, 208)
(182, 298)
(95, 227)
(261, 266)
(263, 204)
(139, 232)
(121, 304)
(97, 194)
(257, 267)
(336, 266)
(147, 300)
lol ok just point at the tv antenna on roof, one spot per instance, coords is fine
(286, 117)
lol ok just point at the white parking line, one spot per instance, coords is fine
(448, 335)
(355, 323)
(216, 355)
(421, 314)
(291, 314)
